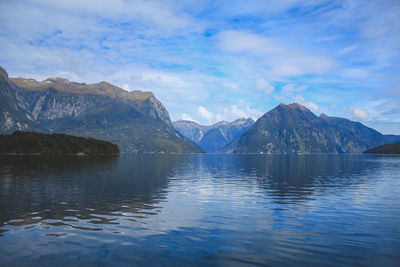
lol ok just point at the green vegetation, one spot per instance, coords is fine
(393, 148)
(54, 144)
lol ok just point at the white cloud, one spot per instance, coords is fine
(126, 87)
(233, 112)
(302, 101)
(269, 54)
(241, 41)
(262, 85)
(294, 63)
(225, 114)
(204, 113)
(293, 88)
(359, 113)
(186, 117)
(155, 16)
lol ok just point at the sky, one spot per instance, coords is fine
(218, 60)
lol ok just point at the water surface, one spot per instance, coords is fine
(226, 210)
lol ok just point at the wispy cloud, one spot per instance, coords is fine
(288, 88)
(203, 112)
(262, 85)
(276, 58)
(359, 113)
(311, 105)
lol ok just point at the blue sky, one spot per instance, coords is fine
(218, 60)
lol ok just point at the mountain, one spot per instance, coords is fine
(136, 121)
(191, 130)
(295, 129)
(13, 115)
(223, 133)
(54, 144)
(393, 148)
(215, 137)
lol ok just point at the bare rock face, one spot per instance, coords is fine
(149, 105)
(13, 116)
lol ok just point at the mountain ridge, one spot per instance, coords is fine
(295, 129)
(137, 98)
(139, 123)
(136, 121)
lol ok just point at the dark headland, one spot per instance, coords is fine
(393, 148)
(32, 143)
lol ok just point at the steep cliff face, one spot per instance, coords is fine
(136, 121)
(295, 129)
(13, 115)
(215, 137)
(52, 95)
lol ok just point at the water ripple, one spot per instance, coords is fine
(201, 210)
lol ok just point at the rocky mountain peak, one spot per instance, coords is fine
(186, 122)
(3, 73)
(323, 116)
(220, 123)
(243, 121)
(298, 106)
(56, 80)
(292, 111)
(292, 106)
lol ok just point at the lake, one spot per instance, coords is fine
(200, 210)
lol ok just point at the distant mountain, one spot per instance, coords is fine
(191, 130)
(295, 129)
(215, 137)
(54, 144)
(393, 148)
(136, 121)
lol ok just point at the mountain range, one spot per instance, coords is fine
(136, 121)
(216, 137)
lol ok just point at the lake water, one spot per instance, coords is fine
(201, 210)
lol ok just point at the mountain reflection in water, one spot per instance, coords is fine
(200, 210)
